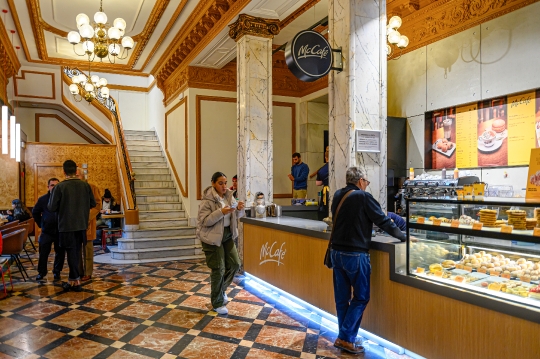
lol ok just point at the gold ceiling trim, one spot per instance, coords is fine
(18, 26)
(8, 57)
(445, 18)
(251, 25)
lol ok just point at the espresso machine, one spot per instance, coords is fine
(436, 188)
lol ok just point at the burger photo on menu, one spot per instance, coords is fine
(492, 132)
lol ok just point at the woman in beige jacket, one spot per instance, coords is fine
(216, 229)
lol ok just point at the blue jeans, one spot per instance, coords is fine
(351, 270)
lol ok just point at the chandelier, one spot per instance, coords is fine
(394, 38)
(99, 38)
(88, 87)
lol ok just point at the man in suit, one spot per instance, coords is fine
(48, 223)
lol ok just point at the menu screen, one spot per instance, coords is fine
(494, 132)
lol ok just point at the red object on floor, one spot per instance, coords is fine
(111, 233)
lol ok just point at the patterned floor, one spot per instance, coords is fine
(158, 310)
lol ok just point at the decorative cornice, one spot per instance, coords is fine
(251, 25)
(8, 57)
(444, 18)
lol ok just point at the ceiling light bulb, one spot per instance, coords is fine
(395, 22)
(114, 33)
(89, 87)
(82, 19)
(403, 42)
(102, 81)
(74, 89)
(105, 92)
(74, 37)
(95, 79)
(388, 49)
(88, 47)
(119, 23)
(75, 79)
(114, 49)
(100, 18)
(86, 31)
(389, 30)
(394, 37)
(127, 42)
(5, 130)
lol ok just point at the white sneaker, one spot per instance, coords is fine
(225, 298)
(222, 310)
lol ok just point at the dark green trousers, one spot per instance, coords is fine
(224, 263)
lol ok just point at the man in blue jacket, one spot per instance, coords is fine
(48, 223)
(299, 175)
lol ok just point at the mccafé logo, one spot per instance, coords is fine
(309, 56)
(272, 253)
(314, 51)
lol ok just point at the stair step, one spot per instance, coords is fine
(158, 206)
(141, 143)
(156, 191)
(136, 132)
(131, 244)
(152, 177)
(157, 253)
(147, 158)
(162, 214)
(154, 198)
(162, 223)
(153, 184)
(160, 232)
(133, 137)
(143, 149)
(152, 171)
(135, 164)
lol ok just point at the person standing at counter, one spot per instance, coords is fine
(351, 238)
(217, 228)
(299, 175)
(323, 180)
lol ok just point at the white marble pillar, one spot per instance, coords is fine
(254, 108)
(357, 95)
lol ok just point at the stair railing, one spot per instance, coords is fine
(109, 108)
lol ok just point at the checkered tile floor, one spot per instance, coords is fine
(158, 310)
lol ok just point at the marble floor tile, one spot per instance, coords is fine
(100, 286)
(244, 310)
(123, 277)
(105, 303)
(166, 272)
(196, 276)
(74, 318)
(180, 285)
(140, 310)
(5, 356)
(130, 291)
(163, 296)
(212, 349)
(150, 281)
(40, 310)
(245, 295)
(11, 303)
(282, 338)
(34, 339)
(204, 269)
(264, 354)
(159, 339)
(277, 316)
(181, 318)
(76, 348)
(8, 326)
(207, 289)
(227, 327)
(44, 290)
(195, 301)
(139, 269)
(73, 297)
(180, 265)
(112, 328)
(124, 354)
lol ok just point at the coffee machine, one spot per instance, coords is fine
(436, 188)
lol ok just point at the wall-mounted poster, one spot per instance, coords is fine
(489, 133)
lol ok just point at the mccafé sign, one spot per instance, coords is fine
(309, 56)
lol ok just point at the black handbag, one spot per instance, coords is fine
(327, 256)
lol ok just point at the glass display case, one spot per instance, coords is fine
(491, 248)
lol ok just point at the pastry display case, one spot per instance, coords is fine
(489, 248)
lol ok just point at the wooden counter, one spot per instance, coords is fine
(429, 324)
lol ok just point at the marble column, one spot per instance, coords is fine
(357, 95)
(254, 107)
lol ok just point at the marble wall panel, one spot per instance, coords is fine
(415, 142)
(317, 113)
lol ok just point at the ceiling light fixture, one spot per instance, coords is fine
(12, 136)
(5, 146)
(88, 87)
(99, 38)
(394, 38)
(18, 142)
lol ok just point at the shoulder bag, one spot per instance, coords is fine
(327, 256)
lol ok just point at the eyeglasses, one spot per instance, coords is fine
(367, 182)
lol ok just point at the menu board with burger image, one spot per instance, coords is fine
(490, 133)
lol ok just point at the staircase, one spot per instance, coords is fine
(163, 232)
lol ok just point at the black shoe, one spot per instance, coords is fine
(76, 288)
(40, 277)
(66, 286)
(56, 277)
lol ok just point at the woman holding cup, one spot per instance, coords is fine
(216, 229)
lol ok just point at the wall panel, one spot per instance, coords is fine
(284, 146)
(176, 143)
(35, 84)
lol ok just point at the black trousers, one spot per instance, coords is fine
(45, 244)
(72, 242)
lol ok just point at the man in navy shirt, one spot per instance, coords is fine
(299, 175)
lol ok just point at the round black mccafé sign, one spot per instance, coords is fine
(308, 56)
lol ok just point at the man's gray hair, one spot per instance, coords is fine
(354, 174)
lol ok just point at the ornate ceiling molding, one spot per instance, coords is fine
(251, 25)
(444, 18)
(210, 17)
(8, 57)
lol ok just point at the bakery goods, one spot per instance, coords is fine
(494, 286)
(517, 218)
(435, 267)
(498, 126)
(488, 217)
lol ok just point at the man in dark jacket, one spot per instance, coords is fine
(72, 199)
(48, 223)
(350, 254)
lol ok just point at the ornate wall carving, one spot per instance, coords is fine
(9, 181)
(251, 25)
(8, 61)
(45, 160)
